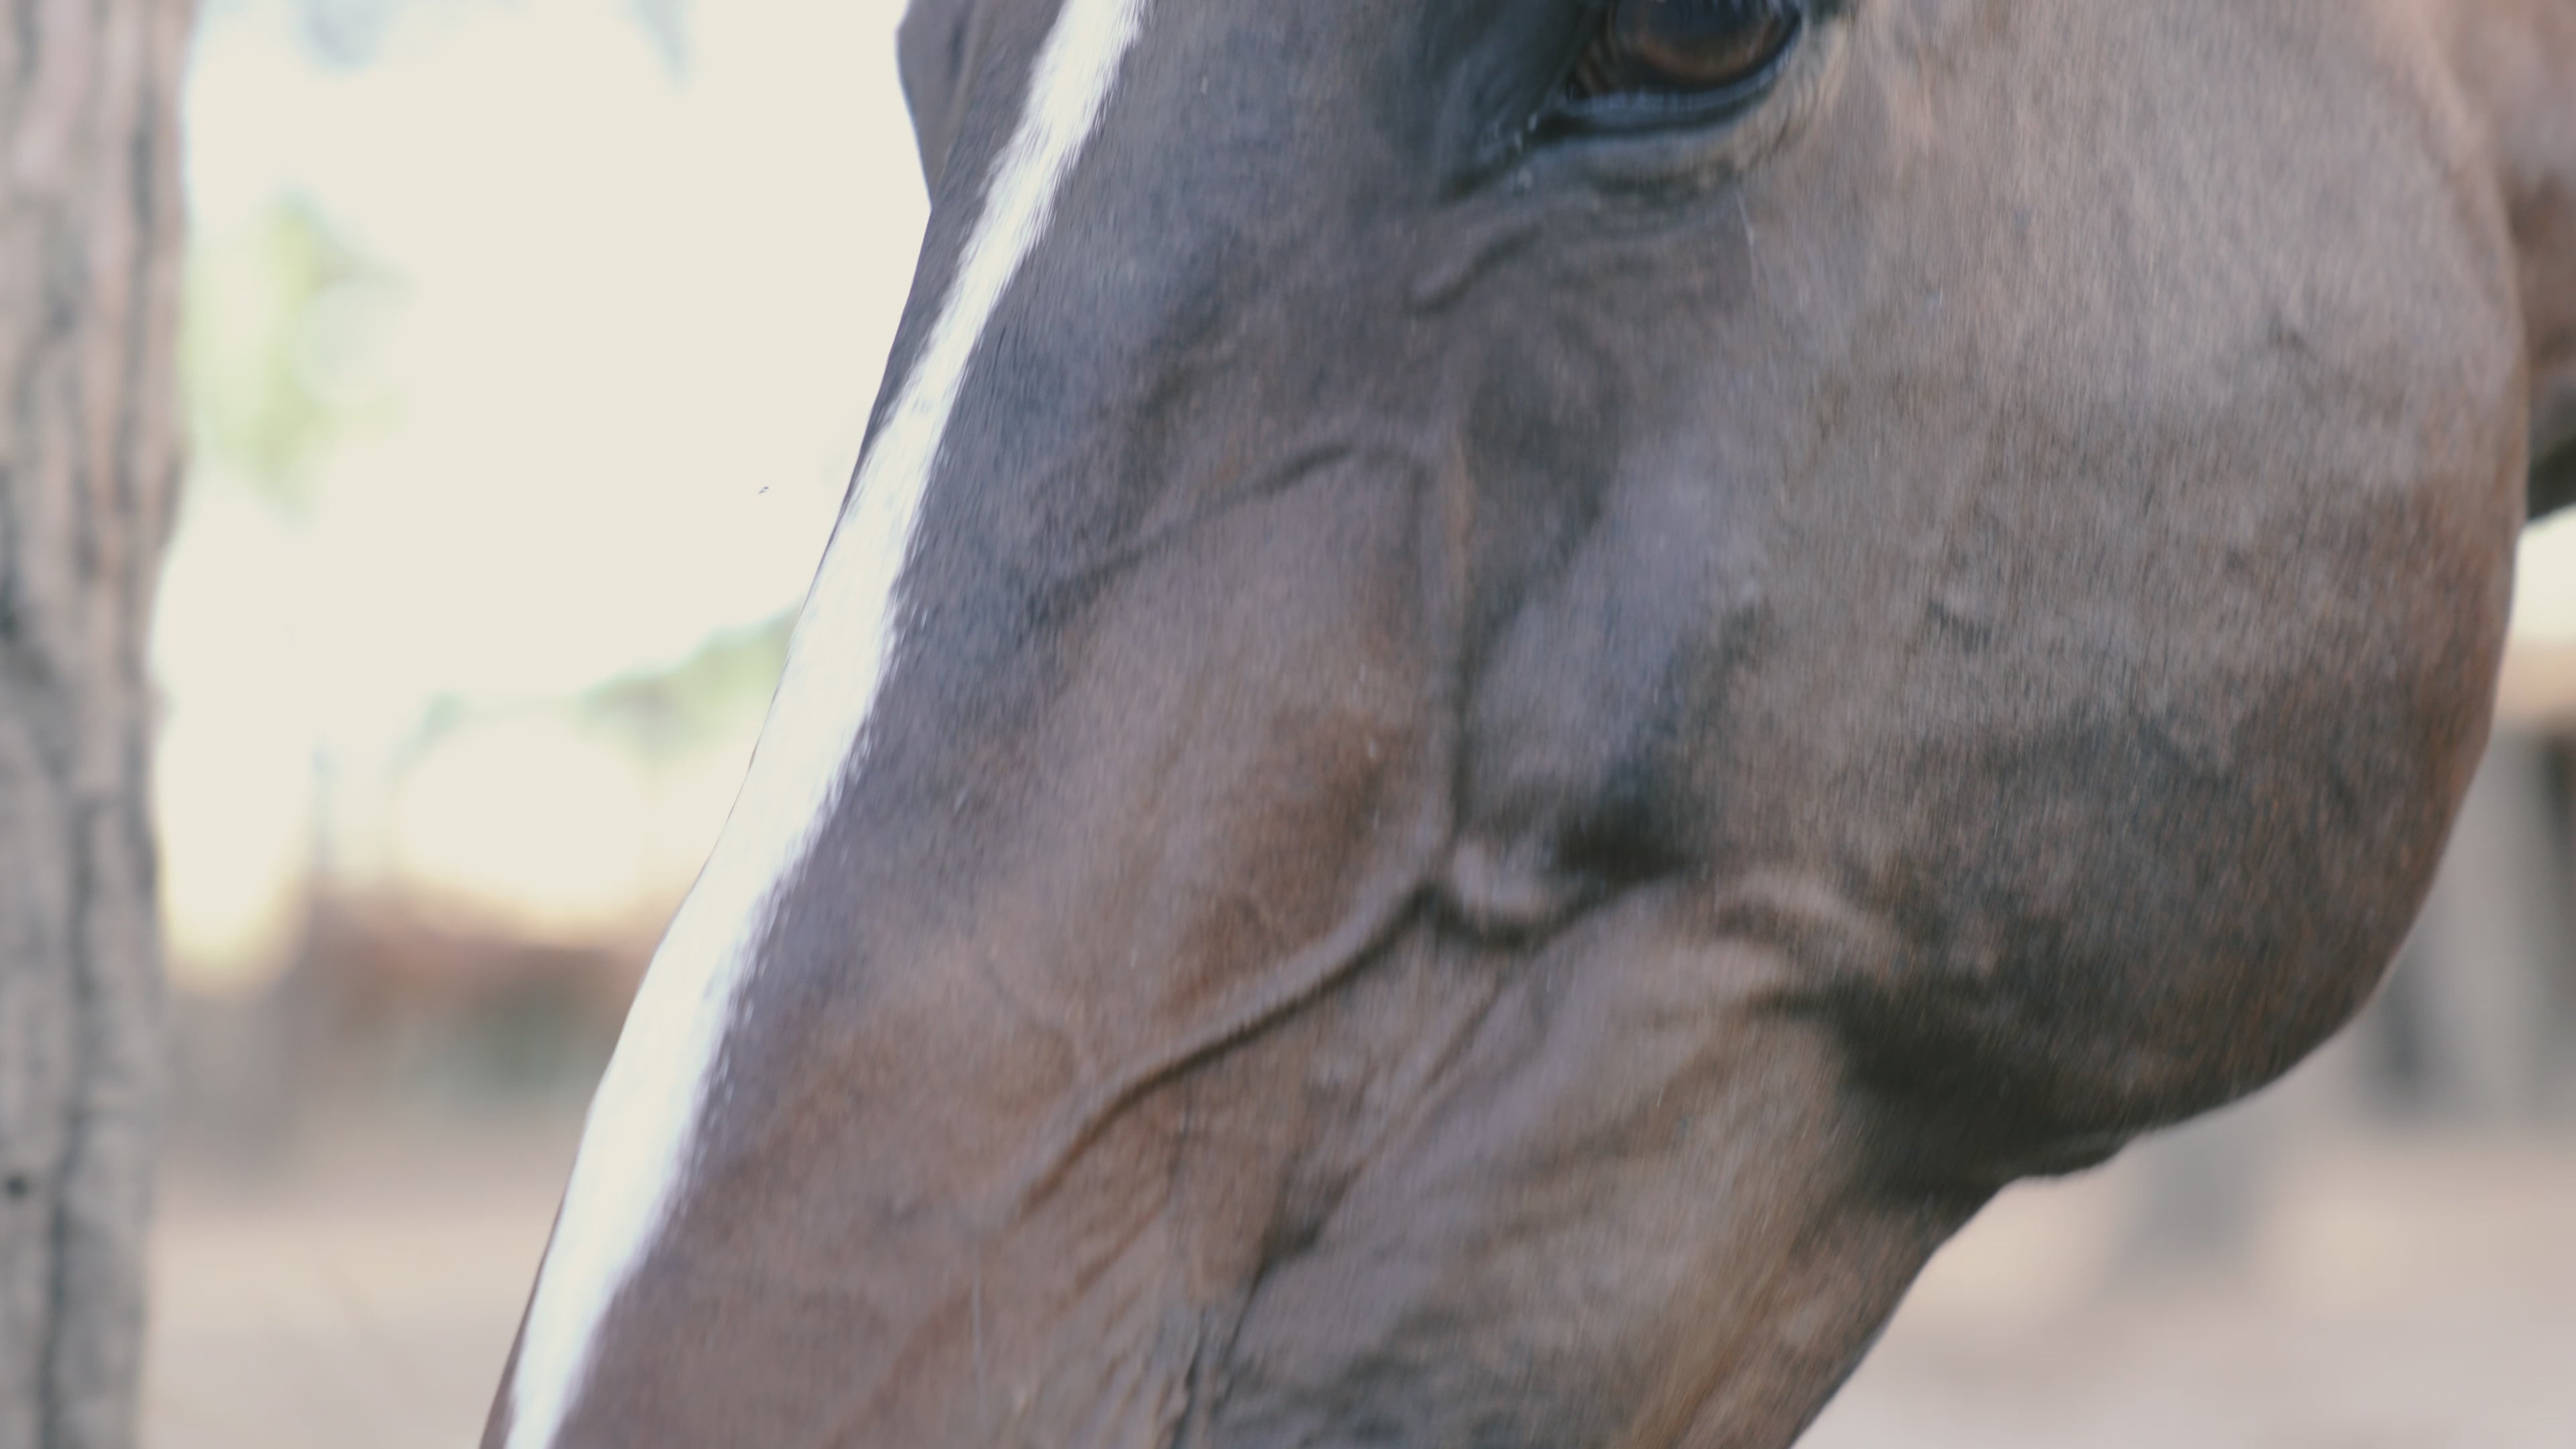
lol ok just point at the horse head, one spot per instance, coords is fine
(1516, 691)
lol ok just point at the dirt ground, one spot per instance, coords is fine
(2385, 1291)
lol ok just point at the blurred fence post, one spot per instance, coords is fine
(2492, 940)
(90, 218)
(2473, 1001)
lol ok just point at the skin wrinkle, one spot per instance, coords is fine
(1585, 1160)
(1296, 981)
(1507, 797)
(1163, 537)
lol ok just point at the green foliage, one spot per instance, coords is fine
(281, 329)
(666, 24)
(668, 712)
(354, 34)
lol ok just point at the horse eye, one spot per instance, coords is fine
(1679, 49)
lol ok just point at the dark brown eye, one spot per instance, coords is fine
(1680, 49)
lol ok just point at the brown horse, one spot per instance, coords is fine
(1516, 691)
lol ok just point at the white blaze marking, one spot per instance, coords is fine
(635, 1145)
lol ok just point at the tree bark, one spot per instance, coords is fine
(90, 221)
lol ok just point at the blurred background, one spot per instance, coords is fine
(528, 346)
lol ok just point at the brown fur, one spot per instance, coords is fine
(1531, 770)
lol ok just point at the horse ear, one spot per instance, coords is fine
(930, 50)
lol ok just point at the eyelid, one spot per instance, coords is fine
(1636, 112)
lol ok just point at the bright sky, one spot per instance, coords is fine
(2544, 594)
(643, 315)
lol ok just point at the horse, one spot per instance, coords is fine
(1515, 692)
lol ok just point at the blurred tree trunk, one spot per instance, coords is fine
(89, 453)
